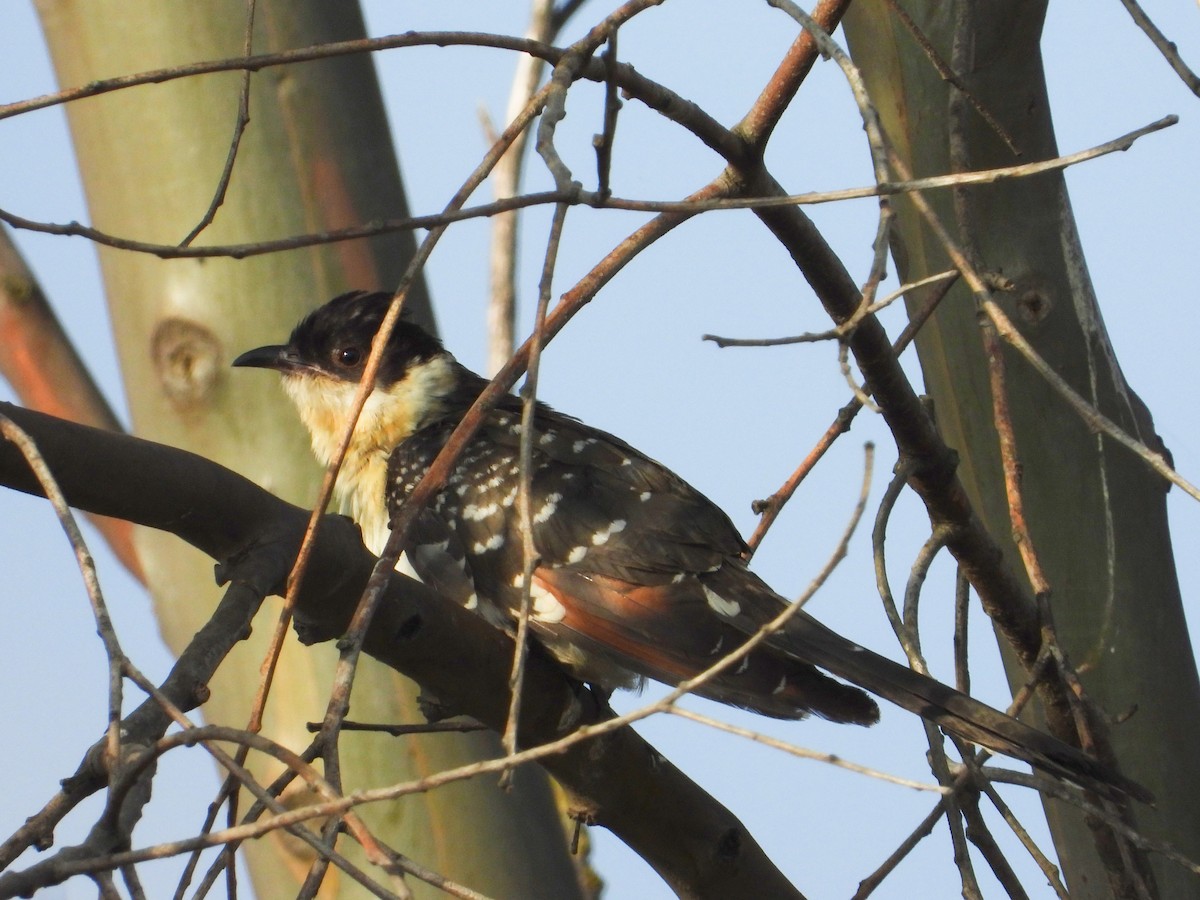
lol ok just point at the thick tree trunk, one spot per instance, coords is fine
(316, 156)
(1097, 515)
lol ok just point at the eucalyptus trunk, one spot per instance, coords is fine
(316, 156)
(1096, 513)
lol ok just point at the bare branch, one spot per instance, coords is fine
(805, 753)
(525, 488)
(759, 123)
(745, 200)
(450, 650)
(239, 128)
(1166, 47)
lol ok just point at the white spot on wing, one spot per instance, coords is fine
(719, 604)
(600, 538)
(644, 496)
(495, 542)
(576, 554)
(779, 687)
(548, 508)
(473, 513)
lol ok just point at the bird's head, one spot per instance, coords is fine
(323, 362)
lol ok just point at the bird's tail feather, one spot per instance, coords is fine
(959, 714)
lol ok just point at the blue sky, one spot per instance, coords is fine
(733, 423)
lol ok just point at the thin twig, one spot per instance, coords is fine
(878, 271)
(506, 182)
(887, 503)
(603, 142)
(239, 129)
(1010, 461)
(773, 505)
(1091, 416)
(207, 735)
(967, 260)
(262, 61)
(226, 859)
(461, 726)
(962, 609)
(980, 835)
(1049, 870)
(91, 581)
(965, 214)
(297, 765)
(924, 559)
(567, 69)
(1166, 47)
(867, 886)
(804, 753)
(948, 75)
(1058, 792)
(905, 628)
(757, 126)
(691, 206)
(838, 331)
(525, 489)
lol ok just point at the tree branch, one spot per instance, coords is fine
(616, 780)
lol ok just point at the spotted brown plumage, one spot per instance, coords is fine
(639, 575)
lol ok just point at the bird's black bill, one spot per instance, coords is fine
(281, 358)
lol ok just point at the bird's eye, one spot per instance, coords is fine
(347, 357)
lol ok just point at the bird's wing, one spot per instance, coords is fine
(600, 506)
(626, 553)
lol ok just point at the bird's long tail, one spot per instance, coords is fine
(954, 711)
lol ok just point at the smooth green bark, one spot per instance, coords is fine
(1097, 514)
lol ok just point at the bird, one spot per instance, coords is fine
(639, 575)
